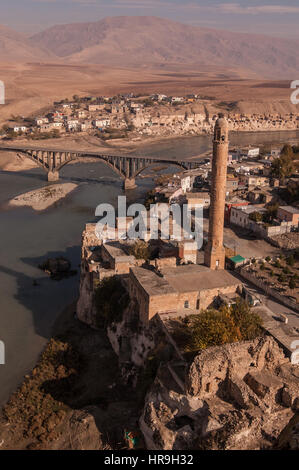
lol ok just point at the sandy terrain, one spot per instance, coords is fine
(31, 88)
(43, 198)
(10, 161)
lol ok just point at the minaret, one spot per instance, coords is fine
(215, 252)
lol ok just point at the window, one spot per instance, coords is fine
(186, 304)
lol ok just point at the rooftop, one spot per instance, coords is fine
(193, 278)
(251, 208)
(293, 210)
(151, 282)
(189, 278)
(118, 251)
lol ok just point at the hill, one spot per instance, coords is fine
(15, 47)
(148, 41)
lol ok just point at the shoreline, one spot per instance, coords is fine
(66, 388)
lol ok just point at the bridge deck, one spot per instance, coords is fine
(98, 153)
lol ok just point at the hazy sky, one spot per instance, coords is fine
(276, 17)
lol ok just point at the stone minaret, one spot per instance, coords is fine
(214, 252)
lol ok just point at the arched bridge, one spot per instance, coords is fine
(127, 167)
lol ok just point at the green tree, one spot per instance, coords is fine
(110, 299)
(226, 325)
(271, 213)
(292, 284)
(256, 216)
(248, 322)
(140, 250)
(283, 166)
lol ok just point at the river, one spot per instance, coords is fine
(27, 311)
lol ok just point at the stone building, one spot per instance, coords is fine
(178, 291)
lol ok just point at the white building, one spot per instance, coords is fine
(241, 215)
(100, 123)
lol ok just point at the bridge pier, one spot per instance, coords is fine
(129, 183)
(53, 176)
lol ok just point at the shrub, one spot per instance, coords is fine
(277, 264)
(282, 278)
(111, 299)
(140, 250)
(292, 284)
(268, 259)
(291, 260)
(149, 199)
(226, 325)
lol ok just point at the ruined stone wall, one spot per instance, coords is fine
(189, 123)
(211, 366)
(238, 397)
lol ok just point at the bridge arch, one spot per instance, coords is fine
(170, 163)
(98, 157)
(127, 167)
(39, 162)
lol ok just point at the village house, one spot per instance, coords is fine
(288, 214)
(240, 215)
(96, 107)
(84, 126)
(232, 184)
(254, 180)
(233, 202)
(41, 120)
(18, 128)
(101, 122)
(72, 125)
(198, 199)
(260, 196)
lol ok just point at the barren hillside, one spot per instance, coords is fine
(146, 41)
(15, 47)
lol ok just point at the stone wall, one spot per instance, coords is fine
(271, 292)
(211, 367)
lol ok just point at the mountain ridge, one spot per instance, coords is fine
(147, 41)
(15, 46)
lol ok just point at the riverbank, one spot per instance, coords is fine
(43, 198)
(10, 161)
(68, 390)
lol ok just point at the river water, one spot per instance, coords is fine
(27, 312)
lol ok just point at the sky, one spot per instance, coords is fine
(272, 17)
